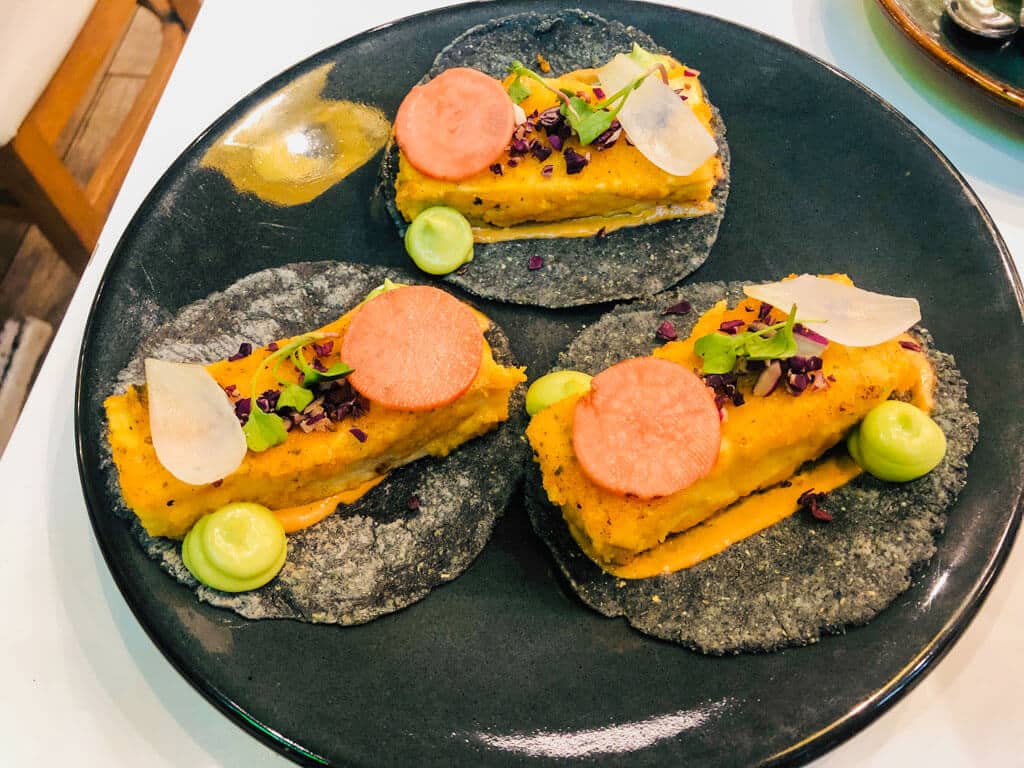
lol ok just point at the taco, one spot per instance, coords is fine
(724, 565)
(615, 224)
(401, 517)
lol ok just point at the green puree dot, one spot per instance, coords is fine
(439, 240)
(237, 548)
(897, 442)
(552, 387)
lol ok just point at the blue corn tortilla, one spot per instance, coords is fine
(627, 263)
(377, 555)
(791, 583)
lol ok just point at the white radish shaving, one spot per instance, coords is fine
(196, 434)
(840, 312)
(660, 124)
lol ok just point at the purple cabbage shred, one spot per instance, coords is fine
(574, 161)
(607, 139)
(682, 308)
(340, 400)
(550, 118)
(244, 350)
(539, 151)
(799, 364)
(725, 389)
(242, 410)
(812, 501)
(807, 333)
(796, 383)
(666, 331)
(267, 402)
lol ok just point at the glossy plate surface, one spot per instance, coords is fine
(505, 665)
(996, 66)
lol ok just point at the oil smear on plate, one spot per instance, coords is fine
(295, 144)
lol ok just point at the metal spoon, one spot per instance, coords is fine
(980, 17)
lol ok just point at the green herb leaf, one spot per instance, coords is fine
(517, 91)
(588, 122)
(643, 57)
(760, 345)
(336, 371)
(647, 60)
(294, 396)
(263, 430)
(311, 375)
(719, 352)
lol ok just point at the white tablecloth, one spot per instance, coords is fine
(81, 682)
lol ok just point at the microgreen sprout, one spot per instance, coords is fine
(265, 430)
(517, 91)
(720, 351)
(294, 396)
(588, 120)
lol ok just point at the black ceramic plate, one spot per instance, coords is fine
(504, 664)
(997, 66)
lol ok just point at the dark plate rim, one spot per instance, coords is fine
(1005, 93)
(800, 753)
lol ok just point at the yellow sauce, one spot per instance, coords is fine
(295, 145)
(590, 225)
(744, 518)
(304, 515)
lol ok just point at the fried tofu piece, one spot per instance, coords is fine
(308, 466)
(763, 442)
(618, 187)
